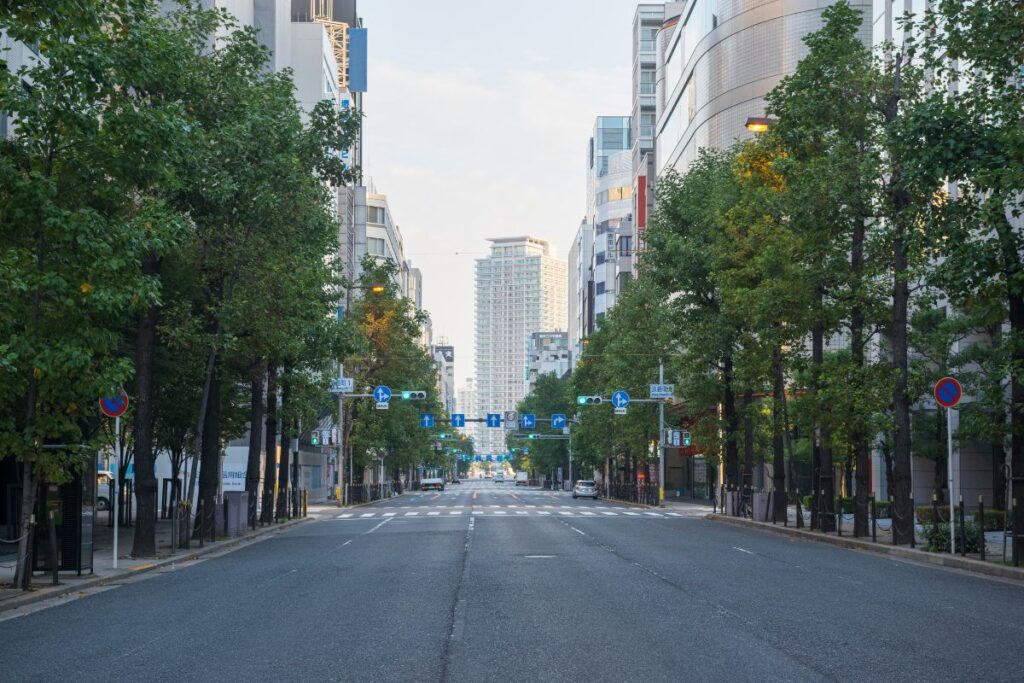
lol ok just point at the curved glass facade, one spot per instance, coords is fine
(721, 60)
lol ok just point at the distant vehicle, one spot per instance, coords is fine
(103, 480)
(522, 479)
(499, 478)
(436, 483)
(455, 480)
(488, 476)
(584, 489)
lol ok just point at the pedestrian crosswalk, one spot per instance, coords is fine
(512, 512)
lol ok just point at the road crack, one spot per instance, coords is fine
(457, 611)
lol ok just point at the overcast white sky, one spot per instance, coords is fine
(477, 119)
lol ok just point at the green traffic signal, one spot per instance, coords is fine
(687, 441)
(413, 395)
(589, 400)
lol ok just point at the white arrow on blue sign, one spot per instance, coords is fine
(494, 419)
(458, 420)
(529, 420)
(557, 420)
(382, 394)
(620, 399)
(426, 420)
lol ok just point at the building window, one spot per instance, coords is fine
(647, 81)
(375, 246)
(599, 290)
(375, 214)
(599, 257)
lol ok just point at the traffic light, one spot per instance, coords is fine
(589, 400)
(687, 441)
(532, 436)
(413, 395)
(314, 438)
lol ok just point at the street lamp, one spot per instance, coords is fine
(759, 124)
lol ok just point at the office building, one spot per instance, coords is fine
(717, 65)
(444, 356)
(580, 294)
(547, 354)
(520, 289)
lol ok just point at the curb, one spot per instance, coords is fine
(918, 556)
(372, 502)
(66, 589)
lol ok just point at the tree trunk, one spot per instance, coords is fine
(778, 452)
(252, 471)
(209, 466)
(1012, 274)
(748, 441)
(144, 543)
(286, 436)
(903, 515)
(270, 462)
(859, 435)
(731, 426)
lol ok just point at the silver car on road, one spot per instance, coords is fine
(584, 489)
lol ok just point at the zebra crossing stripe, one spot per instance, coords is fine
(411, 514)
(389, 514)
(367, 514)
(347, 514)
(433, 514)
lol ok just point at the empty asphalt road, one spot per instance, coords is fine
(487, 582)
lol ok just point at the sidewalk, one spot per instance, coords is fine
(103, 560)
(988, 567)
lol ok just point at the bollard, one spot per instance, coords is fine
(799, 512)
(202, 524)
(839, 518)
(981, 527)
(53, 548)
(913, 523)
(874, 519)
(963, 530)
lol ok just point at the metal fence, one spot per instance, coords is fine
(644, 493)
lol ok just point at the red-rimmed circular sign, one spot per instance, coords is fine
(114, 406)
(948, 392)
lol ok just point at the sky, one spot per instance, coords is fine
(477, 117)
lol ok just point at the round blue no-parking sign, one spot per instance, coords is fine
(948, 392)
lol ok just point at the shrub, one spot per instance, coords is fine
(938, 538)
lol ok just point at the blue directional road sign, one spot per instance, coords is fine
(557, 420)
(382, 394)
(529, 421)
(494, 419)
(490, 458)
(426, 420)
(620, 399)
(458, 420)
(478, 458)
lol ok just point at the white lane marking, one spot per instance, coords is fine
(367, 514)
(411, 514)
(346, 543)
(589, 514)
(567, 507)
(577, 531)
(567, 512)
(531, 506)
(478, 512)
(543, 512)
(389, 514)
(610, 514)
(459, 506)
(347, 514)
(456, 512)
(674, 514)
(742, 550)
(652, 514)
(512, 506)
(631, 514)
(378, 526)
(550, 506)
(495, 506)
(538, 557)
(433, 514)
(500, 512)
(522, 512)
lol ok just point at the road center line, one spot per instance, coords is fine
(378, 526)
(742, 550)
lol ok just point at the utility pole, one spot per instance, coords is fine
(661, 438)
(342, 492)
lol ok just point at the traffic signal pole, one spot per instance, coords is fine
(661, 438)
